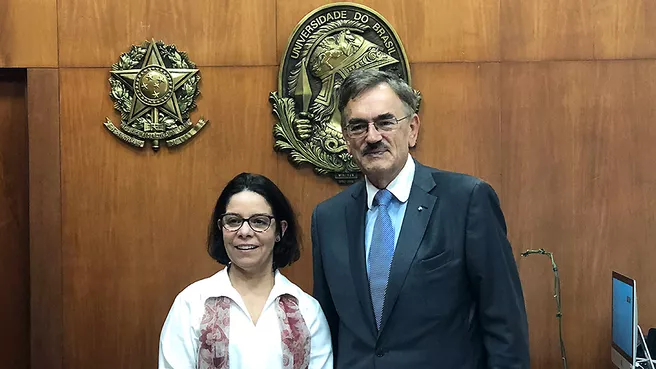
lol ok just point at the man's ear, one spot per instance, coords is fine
(415, 122)
(343, 127)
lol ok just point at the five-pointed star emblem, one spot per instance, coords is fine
(147, 82)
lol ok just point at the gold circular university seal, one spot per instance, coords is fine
(154, 88)
(326, 46)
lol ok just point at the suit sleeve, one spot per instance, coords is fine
(495, 282)
(320, 289)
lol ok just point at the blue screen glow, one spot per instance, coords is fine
(623, 330)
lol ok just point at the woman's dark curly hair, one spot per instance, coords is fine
(287, 250)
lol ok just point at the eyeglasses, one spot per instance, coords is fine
(360, 129)
(233, 222)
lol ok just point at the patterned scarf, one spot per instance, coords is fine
(215, 333)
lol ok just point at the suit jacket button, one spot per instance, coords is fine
(380, 354)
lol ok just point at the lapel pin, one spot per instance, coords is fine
(420, 208)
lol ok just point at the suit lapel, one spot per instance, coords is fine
(355, 224)
(414, 226)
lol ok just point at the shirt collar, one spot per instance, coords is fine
(399, 187)
(221, 286)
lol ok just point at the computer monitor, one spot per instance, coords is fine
(625, 322)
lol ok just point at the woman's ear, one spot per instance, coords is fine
(283, 228)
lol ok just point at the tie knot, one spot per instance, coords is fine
(383, 197)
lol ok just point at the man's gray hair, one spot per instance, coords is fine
(363, 80)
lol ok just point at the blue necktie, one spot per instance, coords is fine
(381, 252)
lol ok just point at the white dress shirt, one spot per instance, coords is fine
(252, 346)
(400, 187)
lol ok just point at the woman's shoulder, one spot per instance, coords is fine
(201, 289)
(306, 302)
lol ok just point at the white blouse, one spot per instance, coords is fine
(251, 346)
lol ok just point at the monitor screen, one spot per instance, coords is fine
(623, 327)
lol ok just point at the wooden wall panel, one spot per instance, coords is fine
(45, 218)
(624, 29)
(214, 32)
(460, 127)
(28, 33)
(14, 231)
(547, 30)
(579, 181)
(305, 190)
(431, 31)
(135, 222)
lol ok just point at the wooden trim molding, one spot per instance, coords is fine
(46, 325)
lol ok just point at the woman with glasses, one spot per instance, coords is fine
(248, 315)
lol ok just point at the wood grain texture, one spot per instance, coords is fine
(28, 33)
(45, 219)
(305, 191)
(430, 30)
(14, 228)
(547, 30)
(579, 181)
(460, 118)
(213, 32)
(135, 222)
(624, 29)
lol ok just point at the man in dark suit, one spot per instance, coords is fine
(412, 266)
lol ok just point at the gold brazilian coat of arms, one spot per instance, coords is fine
(154, 88)
(326, 46)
